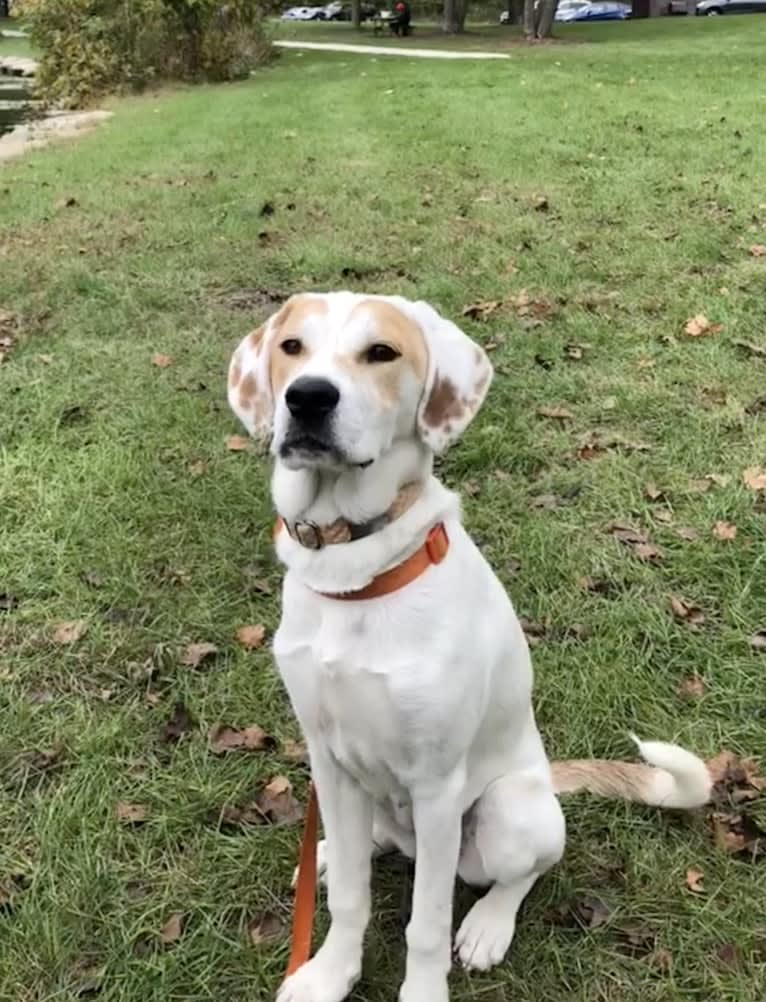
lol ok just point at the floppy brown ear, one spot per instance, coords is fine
(458, 377)
(250, 395)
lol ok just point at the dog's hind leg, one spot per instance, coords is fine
(515, 833)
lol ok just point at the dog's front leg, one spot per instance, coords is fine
(437, 818)
(347, 820)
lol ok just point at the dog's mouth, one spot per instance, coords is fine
(300, 448)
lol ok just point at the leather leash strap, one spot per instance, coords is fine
(305, 888)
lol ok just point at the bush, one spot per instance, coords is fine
(92, 46)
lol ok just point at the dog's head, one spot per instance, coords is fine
(334, 380)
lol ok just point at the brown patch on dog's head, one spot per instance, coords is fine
(248, 390)
(288, 325)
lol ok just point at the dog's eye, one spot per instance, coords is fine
(381, 353)
(291, 346)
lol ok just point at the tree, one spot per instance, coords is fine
(454, 16)
(516, 11)
(5, 8)
(538, 18)
(356, 13)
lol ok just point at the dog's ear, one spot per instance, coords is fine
(250, 395)
(458, 377)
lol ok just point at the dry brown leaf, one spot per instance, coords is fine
(758, 250)
(70, 632)
(687, 533)
(692, 687)
(251, 637)
(653, 492)
(555, 413)
(694, 879)
(737, 834)
(647, 551)
(627, 534)
(221, 739)
(687, 612)
(265, 928)
(759, 350)
(662, 960)
(198, 468)
(545, 502)
(699, 326)
(664, 516)
(754, 477)
(758, 641)
(179, 723)
(172, 929)
(162, 361)
(295, 751)
(195, 654)
(277, 804)
(574, 351)
(130, 814)
(725, 531)
(483, 310)
(729, 955)
(238, 443)
(586, 912)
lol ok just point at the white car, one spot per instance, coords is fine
(302, 14)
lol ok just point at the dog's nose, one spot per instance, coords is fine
(310, 399)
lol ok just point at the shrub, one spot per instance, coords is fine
(92, 46)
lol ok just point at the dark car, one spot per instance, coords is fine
(712, 8)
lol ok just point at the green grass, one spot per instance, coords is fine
(13, 46)
(423, 179)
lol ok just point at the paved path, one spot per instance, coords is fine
(385, 50)
(17, 66)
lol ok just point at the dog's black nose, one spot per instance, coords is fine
(310, 399)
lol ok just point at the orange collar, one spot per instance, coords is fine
(433, 551)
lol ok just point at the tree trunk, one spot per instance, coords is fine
(516, 11)
(530, 20)
(356, 13)
(545, 15)
(454, 16)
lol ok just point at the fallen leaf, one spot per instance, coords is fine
(587, 912)
(725, 531)
(556, 413)
(545, 502)
(719, 479)
(38, 761)
(238, 443)
(86, 979)
(687, 612)
(699, 326)
(694, 879)
(295, 751)
(195, 654)
(277, 804)
(662, 960)
(757, 406)
(636, 938)
(265, 928)
(692, 687)
(198, 468)
(541, 203)
(653, 492)
(534, 632)
(687, 533)
(221, 739)
(8, 602)
(728, 954)
(599, 586)
(575, 352)
(130, 814)
(251, 637)
(754, 477)
(179, 723)
(483, 310)
(735, 779)
(172, 929)
(627, 534)
(646, 363)
(162, 361)
(664, 516)
(69, 202)
(93, 579)
(758, 641)
(758, 250)
(647, 551)
(737, 834)
(471, 488)
(70, 632)
(758, 350)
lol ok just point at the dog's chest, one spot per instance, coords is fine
(354, 684)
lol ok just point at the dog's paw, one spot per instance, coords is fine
(321, 866)
(485, 935)
(316, 981)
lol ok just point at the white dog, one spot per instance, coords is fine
(402, 655)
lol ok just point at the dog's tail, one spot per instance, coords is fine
(674, 777)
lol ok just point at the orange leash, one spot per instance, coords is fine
(305, 889)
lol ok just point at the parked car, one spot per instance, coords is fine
(592, 10)
(302, 14)
(586, 10)
(712, 8)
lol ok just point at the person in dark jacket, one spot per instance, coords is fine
(400, 22)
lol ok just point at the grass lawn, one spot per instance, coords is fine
(13, 46)
(621, 186)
